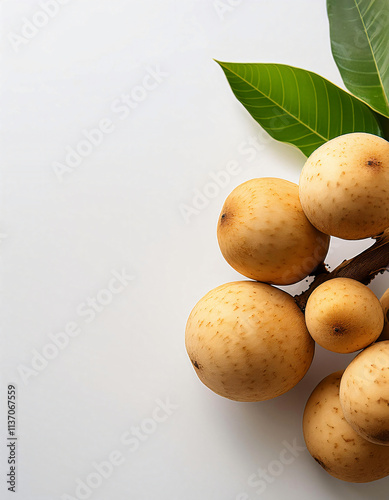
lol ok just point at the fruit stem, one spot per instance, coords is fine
(363, 268)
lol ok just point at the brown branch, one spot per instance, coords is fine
(364, 267)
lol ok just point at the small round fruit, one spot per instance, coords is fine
(264, 234)
(248, 341)
(344, 186)
(364, 393)
(343, 315)
(334, 444)
(385, 305)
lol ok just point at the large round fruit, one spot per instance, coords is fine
(264, 234)
(364, 393)
(248, 341)
(344, 315)
(334, 444)
(344, 186)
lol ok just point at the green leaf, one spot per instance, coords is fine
(360, 46)
(384, 122)
(297, 106)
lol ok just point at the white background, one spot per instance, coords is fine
(122, 208)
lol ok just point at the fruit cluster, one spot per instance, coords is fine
(251, 341)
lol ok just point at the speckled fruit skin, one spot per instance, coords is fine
(342, 315)
(334, 444)
(344, 186)
(264, 234)
(364, 393)
(248, 341)
(385, 306)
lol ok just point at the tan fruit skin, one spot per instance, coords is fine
(344, 186)
(334, 444)
(248, 341)
(264, 234)
(344, 316)
(385, 305)
(364, 393)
